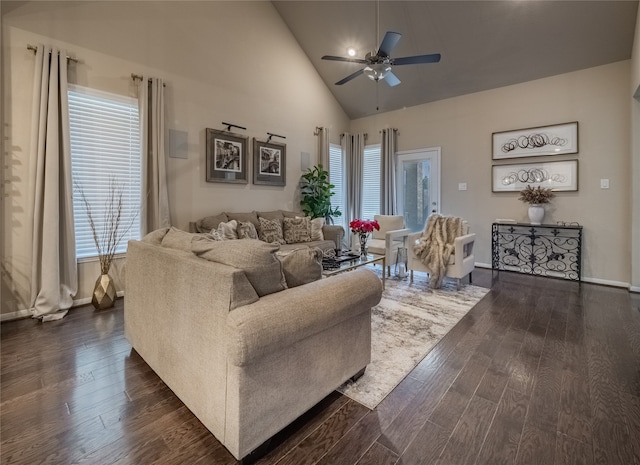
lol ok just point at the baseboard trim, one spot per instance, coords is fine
(483, 265)
(15, 315)
(602, 282)
(20, 314)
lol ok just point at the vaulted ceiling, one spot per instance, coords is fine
(484, 44)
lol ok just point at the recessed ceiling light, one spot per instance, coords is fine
(351, 52)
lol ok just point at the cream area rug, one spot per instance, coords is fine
(406, 324)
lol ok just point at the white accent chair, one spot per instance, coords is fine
(391, 236)
(461, 262)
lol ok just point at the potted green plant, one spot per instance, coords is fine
(536, 197)
(316, 193)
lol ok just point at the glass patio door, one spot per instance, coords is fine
(418, 186)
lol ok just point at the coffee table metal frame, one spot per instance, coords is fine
(357, 262)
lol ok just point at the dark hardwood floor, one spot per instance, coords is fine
(541, 371)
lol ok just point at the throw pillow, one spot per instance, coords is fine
(177, 239)
(316, 229)
(228, 230)
(216, 235)
(246, 230)
(155, 237)
(271, 231)
(256, 258)
(210, 222)
(297, 230)
(301, 266)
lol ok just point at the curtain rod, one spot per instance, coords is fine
(137, 76)
(365, 135)
(394, 129)
(34, 49)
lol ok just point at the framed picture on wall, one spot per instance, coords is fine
(557, 139)
(269, 163)
(226, 157)
(557, 175)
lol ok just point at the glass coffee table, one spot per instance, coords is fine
(351, 262)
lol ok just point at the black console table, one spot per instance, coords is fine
(539, 249)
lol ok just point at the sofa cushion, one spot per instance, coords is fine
(256, 258)
(155, 237)
(228, 230)
(251, 217)
(271, 231)
(178, 239)
(316, 229)
(246, 230)
(296, 230)
(208, 223)
(290, 214)
(301, 266)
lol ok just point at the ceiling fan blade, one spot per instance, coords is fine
(350, 77)
(391, 79)
(389, 42)
(349, 60)
(415, 60)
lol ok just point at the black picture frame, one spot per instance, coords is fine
(269, 163)
(227, 157)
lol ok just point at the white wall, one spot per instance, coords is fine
(222, 61)
(597, 98)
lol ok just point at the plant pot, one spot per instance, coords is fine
(104, 293)
(536, 213)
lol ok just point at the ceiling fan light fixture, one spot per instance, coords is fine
(377, 71)
(351, 51)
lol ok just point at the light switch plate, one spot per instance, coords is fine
(462, 186)
(604, 184)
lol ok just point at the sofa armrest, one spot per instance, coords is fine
(395, 235)
(463, 246)
(281, 319)
(335, 233)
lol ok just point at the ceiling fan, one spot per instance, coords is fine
(379, 62)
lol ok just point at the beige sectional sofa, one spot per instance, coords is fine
(330, 238)
(246, 359)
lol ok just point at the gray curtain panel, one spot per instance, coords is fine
(323, 147)
(155, 197)
(54, 271)
(353, 148)
(388, 172)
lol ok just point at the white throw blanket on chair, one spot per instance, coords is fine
(436, 244)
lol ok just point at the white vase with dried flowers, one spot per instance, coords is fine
(107, 236)
(536, 197)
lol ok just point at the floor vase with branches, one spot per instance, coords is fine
(107, 236)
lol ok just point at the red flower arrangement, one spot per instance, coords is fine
(363, 226)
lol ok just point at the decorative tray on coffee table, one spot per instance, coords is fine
(332, 263)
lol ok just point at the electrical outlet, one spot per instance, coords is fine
(462, 186)
(604, 184)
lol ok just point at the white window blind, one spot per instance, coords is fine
(371, 182)
(336, 177)
(105, 147)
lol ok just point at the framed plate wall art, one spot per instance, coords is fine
(557, 175)
(227, 157)
(269, 163)
(557, 139)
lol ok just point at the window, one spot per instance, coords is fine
(105, 144)
(371, 182)
(336, 176)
